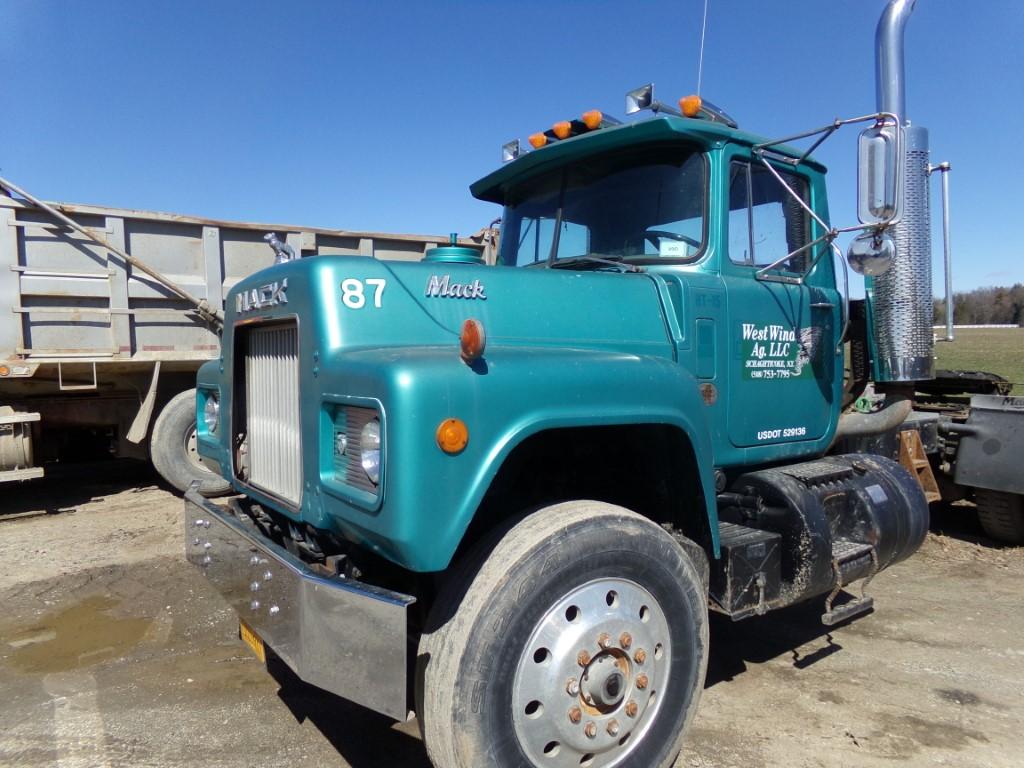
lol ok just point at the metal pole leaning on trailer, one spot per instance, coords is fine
(212, 316)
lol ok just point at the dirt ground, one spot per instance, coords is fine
(114, 652)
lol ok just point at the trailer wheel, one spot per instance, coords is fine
(1001, 515)
(172, 448)
(580, 638)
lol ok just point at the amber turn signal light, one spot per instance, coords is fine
(592, 119)
(690, 105)
(472, 340)
(538, 140)
(4, 370)
(452, 435)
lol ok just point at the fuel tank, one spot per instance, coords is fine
(839, 518)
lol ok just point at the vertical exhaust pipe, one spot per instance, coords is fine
(900, 300)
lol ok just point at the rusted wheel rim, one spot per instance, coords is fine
(592, 676)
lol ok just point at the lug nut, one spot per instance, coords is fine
(631, 708)
(575, 715)
(572, 687)
(604, 640)
(590, 729)
(626, 640)
(274, 610)
(583, 658)
(641, 682)
(640, 656)
(254, 605)
(613, 728)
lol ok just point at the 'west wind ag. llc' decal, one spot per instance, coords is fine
(778, 352)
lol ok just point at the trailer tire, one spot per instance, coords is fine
(172, 447)
(1001, 515)
(495, 688)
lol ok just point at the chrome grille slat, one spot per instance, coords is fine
(272, 410)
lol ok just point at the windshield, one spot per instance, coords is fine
(640, 206)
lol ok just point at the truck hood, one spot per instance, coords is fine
(356, 302)
(538, 306)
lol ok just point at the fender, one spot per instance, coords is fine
(515, 393)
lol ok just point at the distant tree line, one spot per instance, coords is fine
(985, 306)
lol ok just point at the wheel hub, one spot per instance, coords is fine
(605, 681)
(592, 676)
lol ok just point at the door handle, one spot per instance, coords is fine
(823, 305)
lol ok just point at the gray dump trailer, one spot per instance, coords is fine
(108, 313)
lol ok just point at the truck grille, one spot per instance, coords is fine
(272, 410)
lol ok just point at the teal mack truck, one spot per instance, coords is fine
(505, 497)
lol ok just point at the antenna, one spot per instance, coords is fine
(700, 62)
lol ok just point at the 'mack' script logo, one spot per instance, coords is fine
(444, 288)
(269, 295)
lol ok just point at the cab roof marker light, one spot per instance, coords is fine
(538, 140)
(510, 151)
(690, 105)
(562, 129)
(695, 106)
(595, 118)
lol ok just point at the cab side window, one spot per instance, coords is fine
(765, 222)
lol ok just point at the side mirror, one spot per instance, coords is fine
(871, 254)
(639, 99)
(880, 174)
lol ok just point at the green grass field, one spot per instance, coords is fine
(998, 350)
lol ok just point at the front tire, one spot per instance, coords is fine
(172, 448)
(580, 639)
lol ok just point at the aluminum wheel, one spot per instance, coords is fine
(592, 677)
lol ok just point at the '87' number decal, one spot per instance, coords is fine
(354, 292)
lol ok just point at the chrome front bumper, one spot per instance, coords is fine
(341, 635)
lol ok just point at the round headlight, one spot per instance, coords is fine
(211, 412)
(369, 450)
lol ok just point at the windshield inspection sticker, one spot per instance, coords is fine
(672, 249)
(778, 352)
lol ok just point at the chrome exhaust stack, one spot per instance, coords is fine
(900, 300)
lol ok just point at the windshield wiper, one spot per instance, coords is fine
(612, 261)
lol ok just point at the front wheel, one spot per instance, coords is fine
(580, 640)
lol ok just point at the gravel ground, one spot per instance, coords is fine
(114, 652)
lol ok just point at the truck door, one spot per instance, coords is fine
(781, 367)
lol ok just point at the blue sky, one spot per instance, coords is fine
(378, 115)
